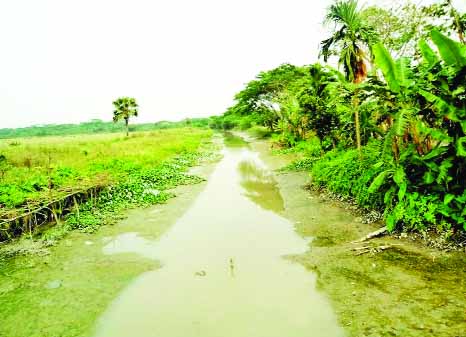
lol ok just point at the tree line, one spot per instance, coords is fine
(387, 127)
(96, 126)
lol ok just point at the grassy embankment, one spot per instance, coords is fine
(35, 171)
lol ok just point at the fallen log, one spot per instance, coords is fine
(377, 233)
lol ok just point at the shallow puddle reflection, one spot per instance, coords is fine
(223, 271)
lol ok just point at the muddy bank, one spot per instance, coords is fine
(409, 290)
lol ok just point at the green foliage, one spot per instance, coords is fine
(396, 26)
(418, 176)
(412, 123)
(42, 169)
(342, 172)
(140, 188)
(452, 52)
(304, 164)
(430, 57)
(387, 65)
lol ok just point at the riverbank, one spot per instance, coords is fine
(406, 290)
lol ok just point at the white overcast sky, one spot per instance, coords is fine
(64, 61)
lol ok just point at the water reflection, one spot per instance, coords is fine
(223, 274)
(260, 185)
(231, 141)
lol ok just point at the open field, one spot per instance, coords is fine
(37, 170)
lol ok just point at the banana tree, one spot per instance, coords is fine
(427, 133)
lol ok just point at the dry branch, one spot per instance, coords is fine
(372, 249)
(377, 233)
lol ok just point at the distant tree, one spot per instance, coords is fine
(125, 107)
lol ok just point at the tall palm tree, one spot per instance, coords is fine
(125, 107)
(351, 41)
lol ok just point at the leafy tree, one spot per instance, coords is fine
(271, 99)
(125, 107)
(318, 102)
(399, 27)
(446, 18)
(404, 24)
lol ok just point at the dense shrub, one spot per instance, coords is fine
(344, 173)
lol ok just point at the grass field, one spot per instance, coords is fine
(34, 171)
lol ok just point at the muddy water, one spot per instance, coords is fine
(223, 268)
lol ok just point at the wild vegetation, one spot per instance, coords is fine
(390, 129)
(112, 172)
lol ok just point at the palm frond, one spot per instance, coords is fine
(344, 13)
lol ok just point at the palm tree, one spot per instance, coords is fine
(351, 41)
(125, 107)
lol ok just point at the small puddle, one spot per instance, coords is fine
(223, 273)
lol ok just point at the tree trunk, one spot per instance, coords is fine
(127, 126)
(356, 123)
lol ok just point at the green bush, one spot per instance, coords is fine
(141, 188)
(342, 172)
(390, 190)
(310, 147)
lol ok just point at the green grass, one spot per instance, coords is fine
(38, 169)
